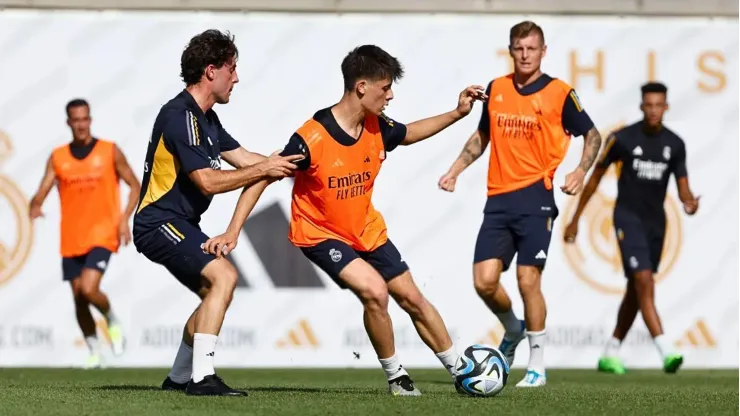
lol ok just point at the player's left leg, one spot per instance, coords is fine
(96, 262)
(71, 271)
(532, 238)
(428, 323)
(609, 361)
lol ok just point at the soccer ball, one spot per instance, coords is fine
(481, 371)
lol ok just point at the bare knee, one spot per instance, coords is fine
(528, 279)
(221, 277)
(643, 282)
(408, 296)
(374, 296)
(486, 277)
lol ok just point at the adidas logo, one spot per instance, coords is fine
(337, 163)
(499, 98)
(300, 336)
(637, 151)
(697, 336)
(102, 265)
(367, 159)
(541, 255)
(493, 336)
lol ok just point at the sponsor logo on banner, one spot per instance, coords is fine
(404, 336)
(26, 336)
(15, 244)
(299, 336)
(697, 336)
(166, 337)
(573, 336)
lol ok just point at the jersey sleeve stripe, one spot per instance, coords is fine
(192, 127)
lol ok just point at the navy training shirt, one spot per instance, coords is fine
(184, 139)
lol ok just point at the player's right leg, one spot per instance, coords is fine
(351, 272)
(494, 251)
(177, 246)
(71, 270)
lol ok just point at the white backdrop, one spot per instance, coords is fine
(127, 66)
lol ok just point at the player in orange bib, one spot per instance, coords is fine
(86, 173)
(528, 120)
(333, 220)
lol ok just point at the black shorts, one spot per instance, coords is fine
(177, 246)
(502, 235)
(640, 242)
(332, 256)
(97, 259)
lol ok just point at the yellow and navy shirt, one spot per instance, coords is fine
(184, 139)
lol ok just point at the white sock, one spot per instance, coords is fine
(612, 348)
(182, 368)
(392, 367)
(536, 351)
(110, 317)
(448, 359)
(664, 347)
(204, 347)
(509, 321)
(92, 344)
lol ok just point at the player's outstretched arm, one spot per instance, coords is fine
(428, 127)
(241, 157)
(123, 170)
(474, 148)
(47, 183)
(211, 181)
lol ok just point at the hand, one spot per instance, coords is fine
(468, 97)
(279, 167)
(574, 182)
(35, 211)
(221, 245)
(124, 233)
(447, 182)
(571, 231)
(690, 207)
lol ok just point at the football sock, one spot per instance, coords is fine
(536, 351)
(612, 348)
(663, 345)
(392, 367)
(509, 321)
(448, 359)
(92, 344)
(182, 368)
(204, 346)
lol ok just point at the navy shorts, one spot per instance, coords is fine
(502, 235)
(332, 256)
(177, 246)
(640, 242)
(97, 259)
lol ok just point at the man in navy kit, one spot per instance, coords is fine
(181, 174)
(646, 153)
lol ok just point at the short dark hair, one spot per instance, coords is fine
(369, 62)
(654, 87)
(77, 102)
(211, 47)
(524, 29)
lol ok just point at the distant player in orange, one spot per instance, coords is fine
(333, 219)
(528, 120)
(86, 173)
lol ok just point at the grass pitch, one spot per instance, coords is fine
(364, 392)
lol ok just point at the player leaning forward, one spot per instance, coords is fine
(333, 219)
(528, 119)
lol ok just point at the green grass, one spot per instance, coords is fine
(135, 392)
